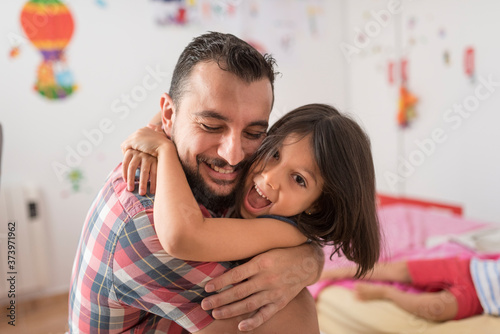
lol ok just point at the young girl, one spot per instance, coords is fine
(312, 180)
(460, 288)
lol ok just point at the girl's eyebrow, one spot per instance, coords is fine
(313, 176)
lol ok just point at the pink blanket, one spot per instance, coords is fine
(405, 229)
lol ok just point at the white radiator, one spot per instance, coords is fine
(23, 251)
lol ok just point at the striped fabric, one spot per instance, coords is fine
(486, 277)
(123, 281)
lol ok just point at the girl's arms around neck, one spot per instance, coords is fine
(181, 228)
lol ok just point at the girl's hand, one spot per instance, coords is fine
(140, 150)
(133, 159)
(146, 140)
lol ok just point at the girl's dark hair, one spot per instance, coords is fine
(229, 52)
(346, 210)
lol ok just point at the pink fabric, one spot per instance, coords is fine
(405, 229)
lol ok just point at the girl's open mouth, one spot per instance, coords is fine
(256, 200)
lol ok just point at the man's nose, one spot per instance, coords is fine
(231, 149)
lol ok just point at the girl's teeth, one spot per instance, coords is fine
(261, 194)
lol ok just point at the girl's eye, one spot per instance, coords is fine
(300, 180)
(276, 155)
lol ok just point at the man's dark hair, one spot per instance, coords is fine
(229, 52)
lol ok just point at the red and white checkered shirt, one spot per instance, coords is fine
(124, 281)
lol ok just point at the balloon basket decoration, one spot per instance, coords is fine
(49, 25)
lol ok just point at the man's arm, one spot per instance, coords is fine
(266, 283)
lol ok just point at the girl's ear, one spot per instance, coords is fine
(167, 113)
(315, 208)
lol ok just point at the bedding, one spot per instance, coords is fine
(409, 231)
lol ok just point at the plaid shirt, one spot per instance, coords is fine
(123, 280)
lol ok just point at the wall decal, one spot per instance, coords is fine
(469, 63)
(49, 25)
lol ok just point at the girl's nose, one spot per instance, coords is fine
(271, 176)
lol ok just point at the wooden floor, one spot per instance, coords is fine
(44, 316)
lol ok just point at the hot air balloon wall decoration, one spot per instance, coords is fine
(49, 26)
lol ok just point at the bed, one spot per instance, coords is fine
(412, 229)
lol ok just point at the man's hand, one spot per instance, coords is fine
(266, 283)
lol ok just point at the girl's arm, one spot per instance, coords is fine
(181, 228)
(155, 122)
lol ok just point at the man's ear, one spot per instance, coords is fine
(167, 114)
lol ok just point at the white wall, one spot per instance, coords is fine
(113, 48)
(462, 167)
(109, 55)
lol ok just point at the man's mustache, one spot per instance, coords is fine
(220, 163)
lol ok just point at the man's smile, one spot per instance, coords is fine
(225, 173)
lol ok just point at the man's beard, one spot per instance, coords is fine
(206, 196)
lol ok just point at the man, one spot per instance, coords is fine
(217, 114)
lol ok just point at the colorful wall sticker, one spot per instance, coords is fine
(74, 180)
(469, 63)
(101, 3)
(49, 25)
(406, 107)
(406, 100)
(173, 12)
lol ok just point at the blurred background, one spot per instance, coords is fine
(420, 76)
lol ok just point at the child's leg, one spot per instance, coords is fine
(389, 271)
(298, 317)
(437, 306)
